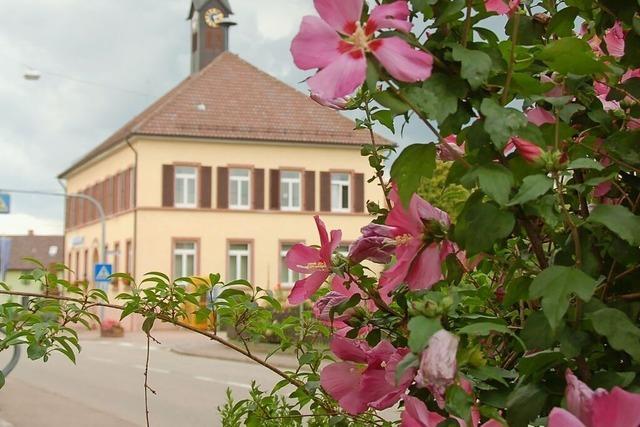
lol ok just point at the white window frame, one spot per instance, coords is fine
(292, 276)
(185, 177)
(238, 253)
(184, 253)
(341, 184)
(238, 180)
(289, 183)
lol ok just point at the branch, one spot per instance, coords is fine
(379, 174)
(512, 57)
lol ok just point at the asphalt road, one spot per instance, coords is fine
(105, 388)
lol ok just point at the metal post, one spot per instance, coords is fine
(95, 202)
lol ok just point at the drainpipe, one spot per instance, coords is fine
(135, 209)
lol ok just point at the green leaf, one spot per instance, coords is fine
(585, 163)
(484, 328)
(385, 118)
(476, 65)
(501, 123)
(438, 96)
(571, 55)
(36, 351)
(480, 225)
(563, 22)
(556, 285)
(525, 404)
(496, 182)
(147, 325)
(532, 187)
(540, 362)
(618, 219)
(452, 10)
(621, 332)
(409, 361)
(420, 331)
(391, 101)
(537, 333)
(417, 161)
(459, 402)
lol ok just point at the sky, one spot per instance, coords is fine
(135, 51)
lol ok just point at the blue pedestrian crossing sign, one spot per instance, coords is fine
(5, 203)
(101, 273)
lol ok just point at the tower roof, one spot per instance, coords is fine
(231, 99)
(199, 4)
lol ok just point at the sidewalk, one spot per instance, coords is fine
(190, 344)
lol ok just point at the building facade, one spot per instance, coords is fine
(221, 175)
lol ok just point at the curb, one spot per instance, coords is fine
(242, 359)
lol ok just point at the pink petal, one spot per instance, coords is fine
(416, 414)
(340, 78)
(348, 349)
(322, 232)
(299, 256)
(377, 391)
(336, 239)
(426, 269)
(619, 408)
(633, 124)
(539, 116)
(393, 15)
(342, 381)
(336, 104)
(305, 288)
(602, 189)
(562, 418)
(394, 276)
(579, 397)
(528, 150)
(630, 74)
(340, 14)
(402, 61)
(614, 40)
(316, 45)
(501, 7)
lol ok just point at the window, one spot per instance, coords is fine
(340, 192)
(239, 188)
(290, 190)
(287, 277)
(185, 194)
(239, 261)
(184, 259)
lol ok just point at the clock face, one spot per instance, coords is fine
(213, 17)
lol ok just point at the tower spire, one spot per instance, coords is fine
(210, 26)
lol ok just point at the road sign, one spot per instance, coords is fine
(5, 203)
(101, 273)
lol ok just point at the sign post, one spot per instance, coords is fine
(101, 277)
(5, 203)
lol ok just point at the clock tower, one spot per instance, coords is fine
(209, 31)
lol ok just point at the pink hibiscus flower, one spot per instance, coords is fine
(416, 414)
(337, 43)
(614, 40)
(421, 246)
(339, 294)
(599, 408)
(376, 244)
(312, 261)
(366, 376)
(502, 7)
(438, 365)
(527, 149)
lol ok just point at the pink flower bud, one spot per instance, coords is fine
(438, 366)
(322, 308)
(336, 104)
(528, 150)
(449, 150)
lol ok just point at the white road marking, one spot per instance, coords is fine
(156, 370)
(144, 347)
(125, 344)
(231, 383)
(4, 423)
(99, 359)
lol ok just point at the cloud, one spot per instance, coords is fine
(19, 224)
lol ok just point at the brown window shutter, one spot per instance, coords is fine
(258, 189)
(274, 189)
(115, 188)
(310, 191)
(205, 187)
(168, 181)
(96, 195)
(223, 188)
(358, 192)
(325, 191)
(127, 189)
(106, 196)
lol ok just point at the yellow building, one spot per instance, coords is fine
(222, 174)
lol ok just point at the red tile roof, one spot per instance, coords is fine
(237, 102)
(37, 247)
